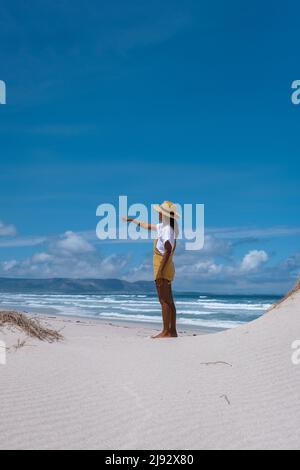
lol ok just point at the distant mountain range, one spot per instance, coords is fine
(75, 286)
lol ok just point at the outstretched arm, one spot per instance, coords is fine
(140, 223)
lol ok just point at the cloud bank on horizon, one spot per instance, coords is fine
(216, 268)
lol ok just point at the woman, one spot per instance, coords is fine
(163, 265)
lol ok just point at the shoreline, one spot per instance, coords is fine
(196, 314)
(150, 327)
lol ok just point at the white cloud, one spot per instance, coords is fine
(72, 243)
(208, 267)
(7, 230)
(69, 255)
(8, 265)
(253, 260)
(20, 242)
(41, 257)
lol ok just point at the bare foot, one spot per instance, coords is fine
(163, 334)
(173, 334)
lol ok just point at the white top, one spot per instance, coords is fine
(164, 233)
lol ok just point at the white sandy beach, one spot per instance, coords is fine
(109, 387)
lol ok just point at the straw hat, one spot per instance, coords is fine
(167, 208)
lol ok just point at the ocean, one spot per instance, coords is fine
(193, 310)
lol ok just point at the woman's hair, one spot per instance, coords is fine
(172, 222)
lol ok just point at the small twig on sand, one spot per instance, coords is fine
(20, 344)
(216, 363)
(31, 326)
(226, 399)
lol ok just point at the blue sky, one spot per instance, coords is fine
(155, 100)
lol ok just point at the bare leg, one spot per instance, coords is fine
(165, 296)
(173, 329)
(165, 310)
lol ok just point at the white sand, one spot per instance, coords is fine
(108, 387)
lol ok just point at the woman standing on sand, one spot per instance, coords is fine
(163, 265)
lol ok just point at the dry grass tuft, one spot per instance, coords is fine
(293, 291)
(31, 326)
(20, 344)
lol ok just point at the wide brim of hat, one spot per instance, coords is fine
(158, 208)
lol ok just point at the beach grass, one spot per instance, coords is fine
(31, 326)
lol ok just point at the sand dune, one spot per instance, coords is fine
(111, 387)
